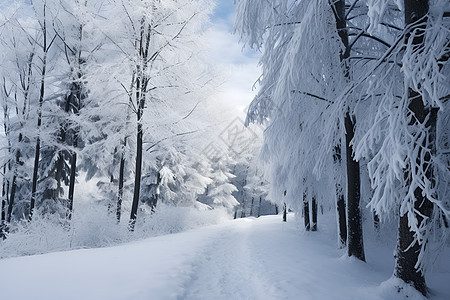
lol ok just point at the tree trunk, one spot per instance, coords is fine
(340, 203)
(3, 212)
(355, 244)
(121, 179)
(408, 249)
(14, 183)
(137, 179)
(259, 206)
(41, 101)
(77, 98)
(73, 166)
(376, 223)
(284, 213)
(62, 140)
(342, 220)
(306, 210)
(314, 213)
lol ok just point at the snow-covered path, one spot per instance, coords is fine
(243, 259)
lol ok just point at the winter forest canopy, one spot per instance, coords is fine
(110, 121)
(117, 93)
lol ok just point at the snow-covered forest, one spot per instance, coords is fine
(114, 132)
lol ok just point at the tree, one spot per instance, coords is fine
(162, 36)
(45, 45)
(219, 190)
(300, 81)
(404, 158)
(18, 91)
(355, 245)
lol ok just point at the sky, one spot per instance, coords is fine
(240, 65)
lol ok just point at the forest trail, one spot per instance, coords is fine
(242, 259)
(267, 259)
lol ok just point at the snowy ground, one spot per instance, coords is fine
(243, 259)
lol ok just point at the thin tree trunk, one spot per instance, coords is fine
(284, 213)
(376, 223)
(137, 180)
(12, 197)
(243, 214)
(141, 89)
(62, 140)
(314, 213)
(14, 183)
(340, 203)
(121, 180)
(306, 210)
(73, 160)
(122, 158)
(259, 206)
(342, 220)
(3, 212)
(73, 166)
(41, 101)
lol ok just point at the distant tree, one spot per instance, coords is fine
(219, 191)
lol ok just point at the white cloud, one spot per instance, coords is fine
(240, 67)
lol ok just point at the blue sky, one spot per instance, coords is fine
(223, 8)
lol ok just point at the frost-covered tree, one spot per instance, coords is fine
(219, 193)
(302, 74)
(407, 90)
(383, 88)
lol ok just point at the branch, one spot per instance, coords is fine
(312, 95)
(362, 33)
(166, 138)
(373, 58)
(187, 116)
(350, 9)
(391, 26)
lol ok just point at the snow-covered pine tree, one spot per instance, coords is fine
(219, 192)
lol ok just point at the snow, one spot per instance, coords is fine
(242, 259)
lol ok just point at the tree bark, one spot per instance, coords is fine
(142, 81)
(408, 249)
(121, 180)
(137, 180)
(355, 245)
(259, 206)
(251, 206)
(314, 212)
(77, 97)
(306, 210)
(73, 166)
(41, 101)
(340, 203)
(3, 213)
(376, 223)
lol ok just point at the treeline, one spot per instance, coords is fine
(354, 95)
